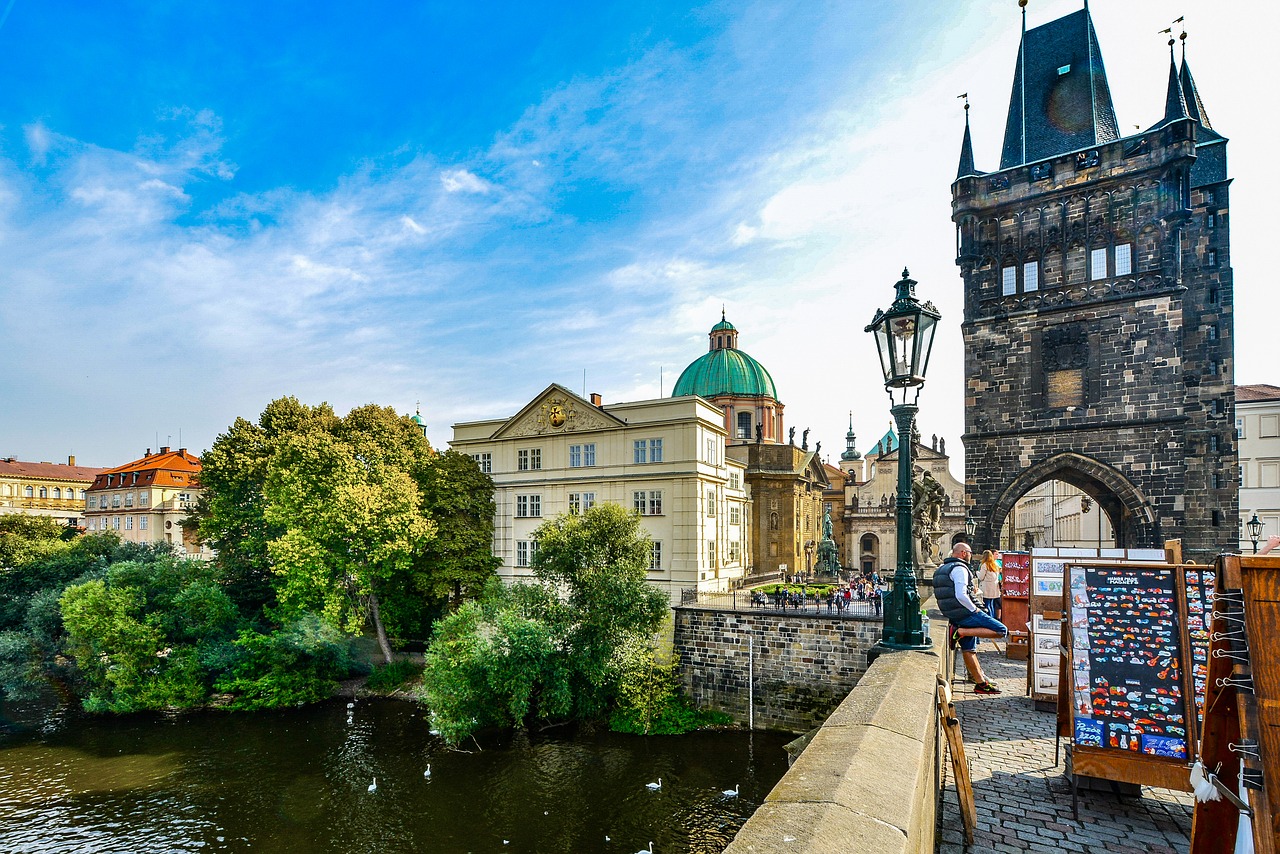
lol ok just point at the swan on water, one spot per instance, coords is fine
(373, 787)
(653, 787)
(732, 793)
(648, 850)
(427, 773)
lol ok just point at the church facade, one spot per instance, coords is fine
(1099, 303)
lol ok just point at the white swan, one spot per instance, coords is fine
(373, 787)
(427, 773)
(653, 787)
(648, 850)
(732, 793)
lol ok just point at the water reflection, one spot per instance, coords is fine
(298, 781)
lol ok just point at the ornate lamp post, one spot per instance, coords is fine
(904, 338)
(970, 528)
(1255, 531)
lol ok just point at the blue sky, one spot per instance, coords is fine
(202, 209)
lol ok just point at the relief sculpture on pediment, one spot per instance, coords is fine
(558, 414)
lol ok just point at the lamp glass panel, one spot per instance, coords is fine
(883, 348)
(928, 326)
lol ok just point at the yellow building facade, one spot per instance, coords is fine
(45, 489)
(146, 501)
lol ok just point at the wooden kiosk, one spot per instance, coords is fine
(1242, 709)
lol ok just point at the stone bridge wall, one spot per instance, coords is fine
(804, 664)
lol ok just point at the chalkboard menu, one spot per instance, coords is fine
(1199, 585)
(1126, 659)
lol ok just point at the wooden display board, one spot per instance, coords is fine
(1047, 583)
(1242, 706)
(1015, 607)
(1126, 694)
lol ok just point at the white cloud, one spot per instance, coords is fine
(462, 181)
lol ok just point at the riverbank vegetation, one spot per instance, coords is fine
(327, 529)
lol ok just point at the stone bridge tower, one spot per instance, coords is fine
(1098, 303)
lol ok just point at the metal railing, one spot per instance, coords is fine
(795, 604)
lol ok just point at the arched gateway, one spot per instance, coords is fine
(1098, 303)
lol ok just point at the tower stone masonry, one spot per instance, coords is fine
(1098, 304)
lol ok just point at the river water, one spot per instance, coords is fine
(299, 781)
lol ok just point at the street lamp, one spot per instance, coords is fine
(970, 528)
(904, 338)
(1255, 531)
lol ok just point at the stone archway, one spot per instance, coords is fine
(1135, 523)
(868, 559)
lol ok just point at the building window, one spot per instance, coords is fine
(128, 523)
(735, 515)
(115, 500)
(744, 425)
(144, 498)
(529, 459)
(1124, 259)
(1211, 220)
(581, 502)
(57, 492)
(44, 492)
(142, 523)
(529, 506)
(1212, 332)
(1268, 426)
(525, 551)
(711, 503)
(655, 556)
(82, 493)
(1098, 264)
(1031, 276)
(711, 552)
(735, 551)
(1211, 258)
(484, 461)
(647, 502)
(582, 455)
(28, 492)
(1213, 444)
(115, 522)
(1010, 283)
(655, 450)
(1219, 407)
(735, 482)
(1213, 296)
(713, 444)
(641, 448)
(1216, 517)
(128, 499)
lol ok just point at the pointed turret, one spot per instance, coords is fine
(1060, 101)
(1195, 106)
(1175, 105)
(966, 153)
(850, 440)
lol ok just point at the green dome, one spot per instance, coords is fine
(725, 372)
(724, 326)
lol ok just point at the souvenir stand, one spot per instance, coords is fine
(1240, 745)
(1047, 573)
(1126, 694)
(1015, 603)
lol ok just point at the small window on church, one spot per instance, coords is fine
(1010, 285)
(744, 425)
(1212, 220)
(1211, 258)
(1031, 276)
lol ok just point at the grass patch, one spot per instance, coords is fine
(677, 717)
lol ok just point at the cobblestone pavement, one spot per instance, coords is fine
(1023, 801)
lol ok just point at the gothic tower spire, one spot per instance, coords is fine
(966, 146)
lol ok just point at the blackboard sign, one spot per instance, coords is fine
(1126, 660)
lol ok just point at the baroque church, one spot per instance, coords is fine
(786, 481)
(1098, 302)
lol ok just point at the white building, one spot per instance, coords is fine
(1258, 428)
(662, 458)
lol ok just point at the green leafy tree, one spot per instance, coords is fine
(459, 498)
(352, 522)
(598, 562)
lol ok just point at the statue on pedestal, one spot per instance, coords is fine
(927, 496)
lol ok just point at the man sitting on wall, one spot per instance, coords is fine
(952, 587)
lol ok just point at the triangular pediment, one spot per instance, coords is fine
(557, 410)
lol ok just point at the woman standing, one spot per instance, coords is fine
(990, 582)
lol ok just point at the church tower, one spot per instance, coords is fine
(1098, 303)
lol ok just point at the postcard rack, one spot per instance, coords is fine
(1242, 708)
(1126, 691)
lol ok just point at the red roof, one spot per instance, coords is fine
(166, 468)
(47, 471)
(1262, 391)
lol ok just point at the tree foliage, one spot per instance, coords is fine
(552, 650)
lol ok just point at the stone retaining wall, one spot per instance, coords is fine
(868, 781)
(804, 664)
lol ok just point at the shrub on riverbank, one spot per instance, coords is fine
(390, 677)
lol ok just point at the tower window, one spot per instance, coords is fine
(1211, 220)
(1098, 264)
(1010, 284)
(1124, 259)
(744, 425)
(1211, 258)
(1031, 276)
